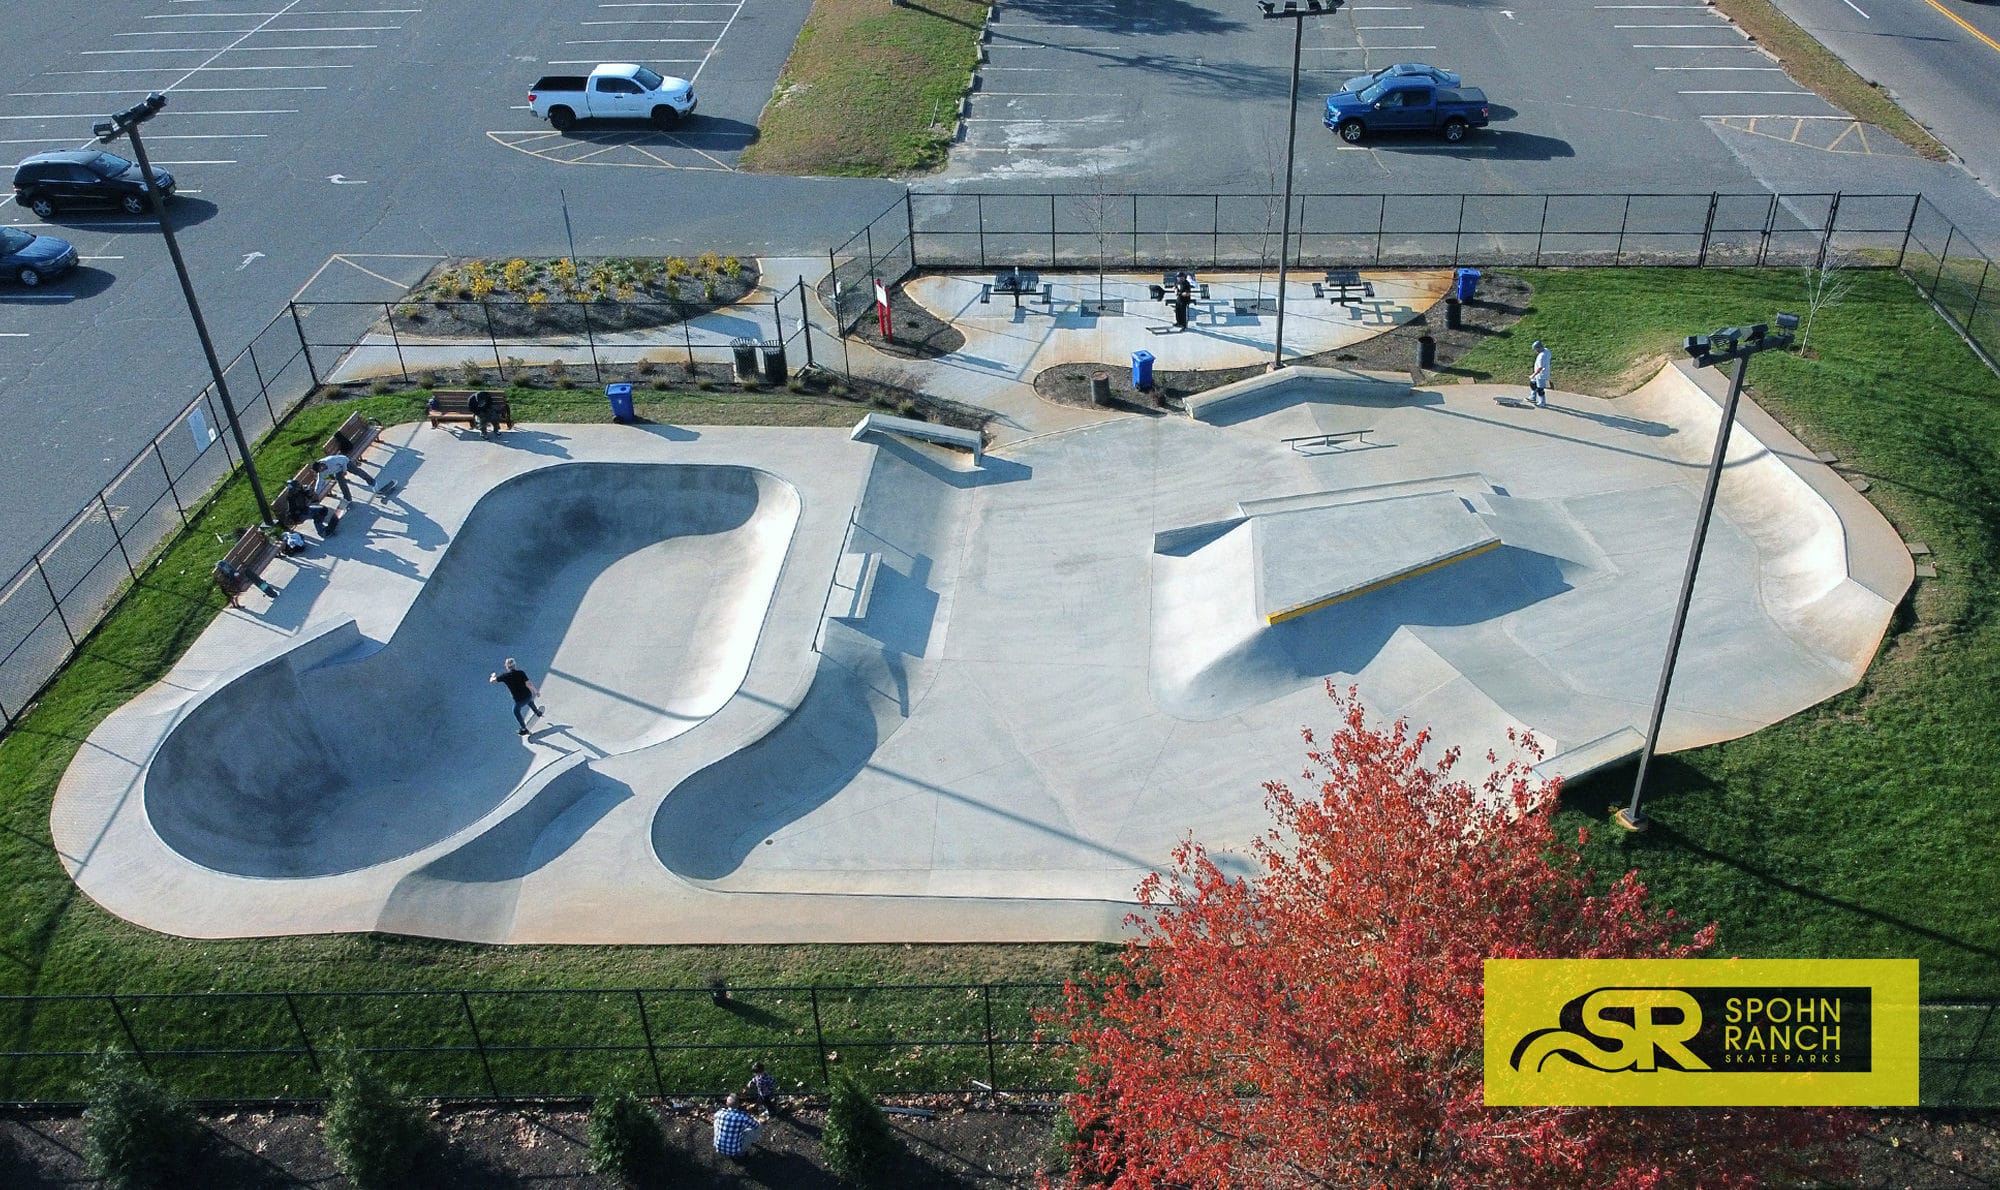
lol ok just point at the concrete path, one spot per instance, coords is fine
(808, 689)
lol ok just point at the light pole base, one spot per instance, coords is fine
(1275, 366)
(1625, 820)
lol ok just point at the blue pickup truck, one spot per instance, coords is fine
(1407, 105)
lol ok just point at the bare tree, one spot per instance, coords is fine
(1094, 209)
(1826, 284)
(1272, 158)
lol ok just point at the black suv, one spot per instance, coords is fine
(84, 177)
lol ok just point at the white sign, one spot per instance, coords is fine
(198, 425)
(881, 295)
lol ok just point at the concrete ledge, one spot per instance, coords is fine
(907, 427)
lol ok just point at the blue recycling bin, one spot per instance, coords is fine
(1467, 284)
(1142, 370)
(621, 401)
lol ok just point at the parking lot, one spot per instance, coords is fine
(1585, 96)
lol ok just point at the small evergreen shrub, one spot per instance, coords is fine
(625, 1139)
(135, 1132)
(859, 1147)
(375, 1136)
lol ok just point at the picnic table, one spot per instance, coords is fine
(1347, 286)
(1016, 282)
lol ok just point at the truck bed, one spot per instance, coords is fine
(560, 82)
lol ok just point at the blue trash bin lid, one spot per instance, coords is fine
(1142, 357)
(617, 390)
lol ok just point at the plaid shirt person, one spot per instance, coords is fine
(733, 1129)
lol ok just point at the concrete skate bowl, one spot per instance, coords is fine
(633, 593)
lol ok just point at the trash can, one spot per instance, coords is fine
(1100, 388)
(1427, 351)
(621, 401)
(1142, 371)
(774, 363)
(1451, 313)
(1467, 284)
(746, 358)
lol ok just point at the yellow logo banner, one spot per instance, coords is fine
(1701, 1032)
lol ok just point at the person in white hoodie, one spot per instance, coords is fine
(1538, 379)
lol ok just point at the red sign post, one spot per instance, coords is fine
(882, 309)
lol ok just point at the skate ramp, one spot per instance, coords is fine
(633, 593)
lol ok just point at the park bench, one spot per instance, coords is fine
(452, 405)
(354, 436)
(1330, 438)
(244, 564)
(1347, 286)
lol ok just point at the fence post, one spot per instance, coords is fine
(839, 318)
(590, 341)
(819, 1040)
(55, 603)
(137, 1049)
(1978, 295)
(1381, 225)
(305, 349)
(305, 1039)
(652, 1054)
(1458, 237)
(910, 228)
(1135, 231)
(116, 535)
(979, 217)
(1826, 232)
(1951, 230)
(389, 316)
(1052, 230)
(687, 336)
(1707, 229)
(263, 389)
(493, 341)
(478, 1043)
(1770, 221)
(805, 322)
(1541, 231)
(1215, 233)
(1624, 218)
(992, 1064)
(1909, 229)
(169, 476)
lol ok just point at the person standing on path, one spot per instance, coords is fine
(1183, 298)
(522, 689)
(1538, 379)
(337, 467)
(734, 1129)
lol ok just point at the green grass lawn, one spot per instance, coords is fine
(871, 89)
(1868, 826)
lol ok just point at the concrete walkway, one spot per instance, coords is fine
(803, 688)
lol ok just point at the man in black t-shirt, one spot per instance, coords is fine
(522, 689)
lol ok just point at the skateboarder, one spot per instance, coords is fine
(522, 689)
(337, 468)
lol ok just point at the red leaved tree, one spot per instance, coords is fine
(1320, 1023)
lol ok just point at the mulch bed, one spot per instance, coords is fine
(919, 334)
(650, 309)
(1501, 303)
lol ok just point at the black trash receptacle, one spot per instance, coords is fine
(774, 363)
(1427, 352)
(1452, 308)
(746, 358)
(1100, 388)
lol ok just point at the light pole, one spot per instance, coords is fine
(1730, 343)
(126, 123)
(1290, 11)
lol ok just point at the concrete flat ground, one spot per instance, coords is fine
(983, 699)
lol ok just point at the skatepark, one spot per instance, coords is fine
(803, 685)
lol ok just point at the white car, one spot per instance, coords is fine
(613, 91)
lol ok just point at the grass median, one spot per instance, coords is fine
(872, 89)
(1865, 826)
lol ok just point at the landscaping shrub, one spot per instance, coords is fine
(625, 1139)
(859, 1147)
(375, 1136)
(135, 1132)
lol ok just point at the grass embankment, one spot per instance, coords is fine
(1867, 826)
(1831, 78)
(53, 941)
(871, 89)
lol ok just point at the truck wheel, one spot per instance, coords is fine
(1454, 130)
(562, 119)
(1350, 131)
(664, 116)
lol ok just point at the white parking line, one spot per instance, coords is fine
(209, 136)
(240, 49)
(177, 91)
(1702, 25)
(181, 32)
(662, 22)
(1772, 69)
(217, 161)
(1694, 47)
(1386, 28)
(1746, 92)
(1766, 116)
(642, 41)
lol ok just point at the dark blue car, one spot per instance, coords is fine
(32, 259)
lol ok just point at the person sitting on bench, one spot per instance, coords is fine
(230, 572)
(484, 415)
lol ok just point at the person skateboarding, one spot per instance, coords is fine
(522, 689)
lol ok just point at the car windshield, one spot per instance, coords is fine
(107, 165)
(1373, 93)
(647, 79)
(13, 241)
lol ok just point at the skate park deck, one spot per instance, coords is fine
(803, 688)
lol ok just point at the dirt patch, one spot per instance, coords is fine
(1502, 302)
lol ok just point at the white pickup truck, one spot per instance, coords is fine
(613, 91)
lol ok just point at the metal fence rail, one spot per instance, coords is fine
(572, 1043)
